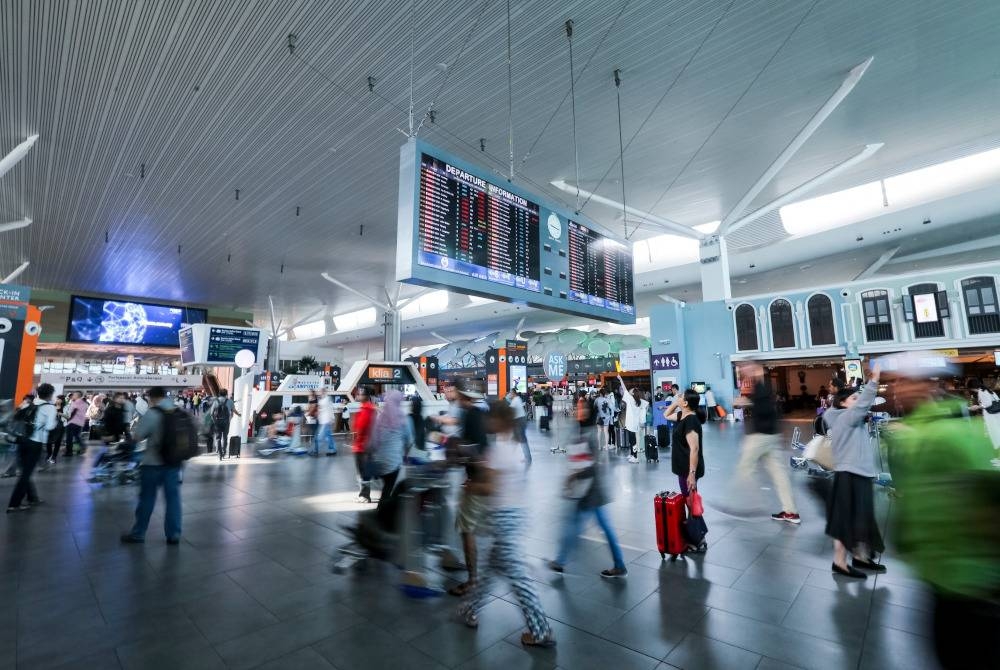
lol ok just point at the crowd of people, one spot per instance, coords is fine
(943, 458)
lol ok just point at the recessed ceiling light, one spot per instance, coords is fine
(752, 266)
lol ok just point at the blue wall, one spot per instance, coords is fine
(697, 332)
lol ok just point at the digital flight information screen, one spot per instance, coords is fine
(464, 228)
(472, 227)
(600, 270)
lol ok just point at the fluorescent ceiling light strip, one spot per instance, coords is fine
(943, 180)
(361, 318)
(834, 210)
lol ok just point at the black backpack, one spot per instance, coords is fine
(178, 437)
(22, 425)
(220, 412)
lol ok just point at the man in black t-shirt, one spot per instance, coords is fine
(763, 444)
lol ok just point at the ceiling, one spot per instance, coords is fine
(153, 115)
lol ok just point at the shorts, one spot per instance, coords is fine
(472, 513)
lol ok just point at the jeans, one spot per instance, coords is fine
(73, 434)
(55, 440)
(573, 526)
(361, 463)
(221, 437)
(325, 434)
(28, 453)
(521, 435)
(765, 447)
(151, 478)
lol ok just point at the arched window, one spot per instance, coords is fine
(746, 328)
(782, 324)
(981, 312)
(878, 322)
(821, 328)
(927, 321)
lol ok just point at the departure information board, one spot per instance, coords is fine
(465, 229)
(600, 270)
(473, 227)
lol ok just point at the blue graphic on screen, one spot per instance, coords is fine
(122, 322)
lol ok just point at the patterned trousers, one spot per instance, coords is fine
(507, 560)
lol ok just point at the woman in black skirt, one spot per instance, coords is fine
(850, 517)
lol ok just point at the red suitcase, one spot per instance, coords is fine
(670, 510)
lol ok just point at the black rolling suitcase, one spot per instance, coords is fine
(663, 436)
(235, 446)
(652, 453)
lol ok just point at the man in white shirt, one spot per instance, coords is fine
(520, 423)
(710, 403)
(635, 417)
(29, 449)
(325, 434)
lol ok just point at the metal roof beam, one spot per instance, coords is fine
(853, 77)
(651, 219)
(808, 186)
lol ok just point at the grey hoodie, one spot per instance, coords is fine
(852, 449)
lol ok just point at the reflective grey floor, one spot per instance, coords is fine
(250, 585)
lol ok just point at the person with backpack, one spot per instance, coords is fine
(171, 439)
(30, 426)
(222, 414)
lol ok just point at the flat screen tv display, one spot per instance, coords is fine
(112, 321)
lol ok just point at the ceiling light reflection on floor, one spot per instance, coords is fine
(213, 459)
(340, 501)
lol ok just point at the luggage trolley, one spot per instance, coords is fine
(423, 520)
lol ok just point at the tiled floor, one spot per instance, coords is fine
(251, 586)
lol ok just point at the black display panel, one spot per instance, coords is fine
(104, 321)
(600, 270)
(472, 227)
(224, 343)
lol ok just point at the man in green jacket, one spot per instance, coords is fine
(946, 520)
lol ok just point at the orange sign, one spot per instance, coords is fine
(379, 373)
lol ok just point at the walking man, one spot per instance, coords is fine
(41, 418)
(153, 427)
(763, 444)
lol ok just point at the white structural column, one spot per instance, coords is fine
(391, 322)
(714, 266)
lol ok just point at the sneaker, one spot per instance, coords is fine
(633, 459)
(787, 517)
(19, 508)
(128, 538)
(614, 573)
(173, 540)
(51, 461)
(556, 567)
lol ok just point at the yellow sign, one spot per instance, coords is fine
(950, 353)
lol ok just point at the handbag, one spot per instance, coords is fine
(993, 407)
(819, 450)
(695, 503)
